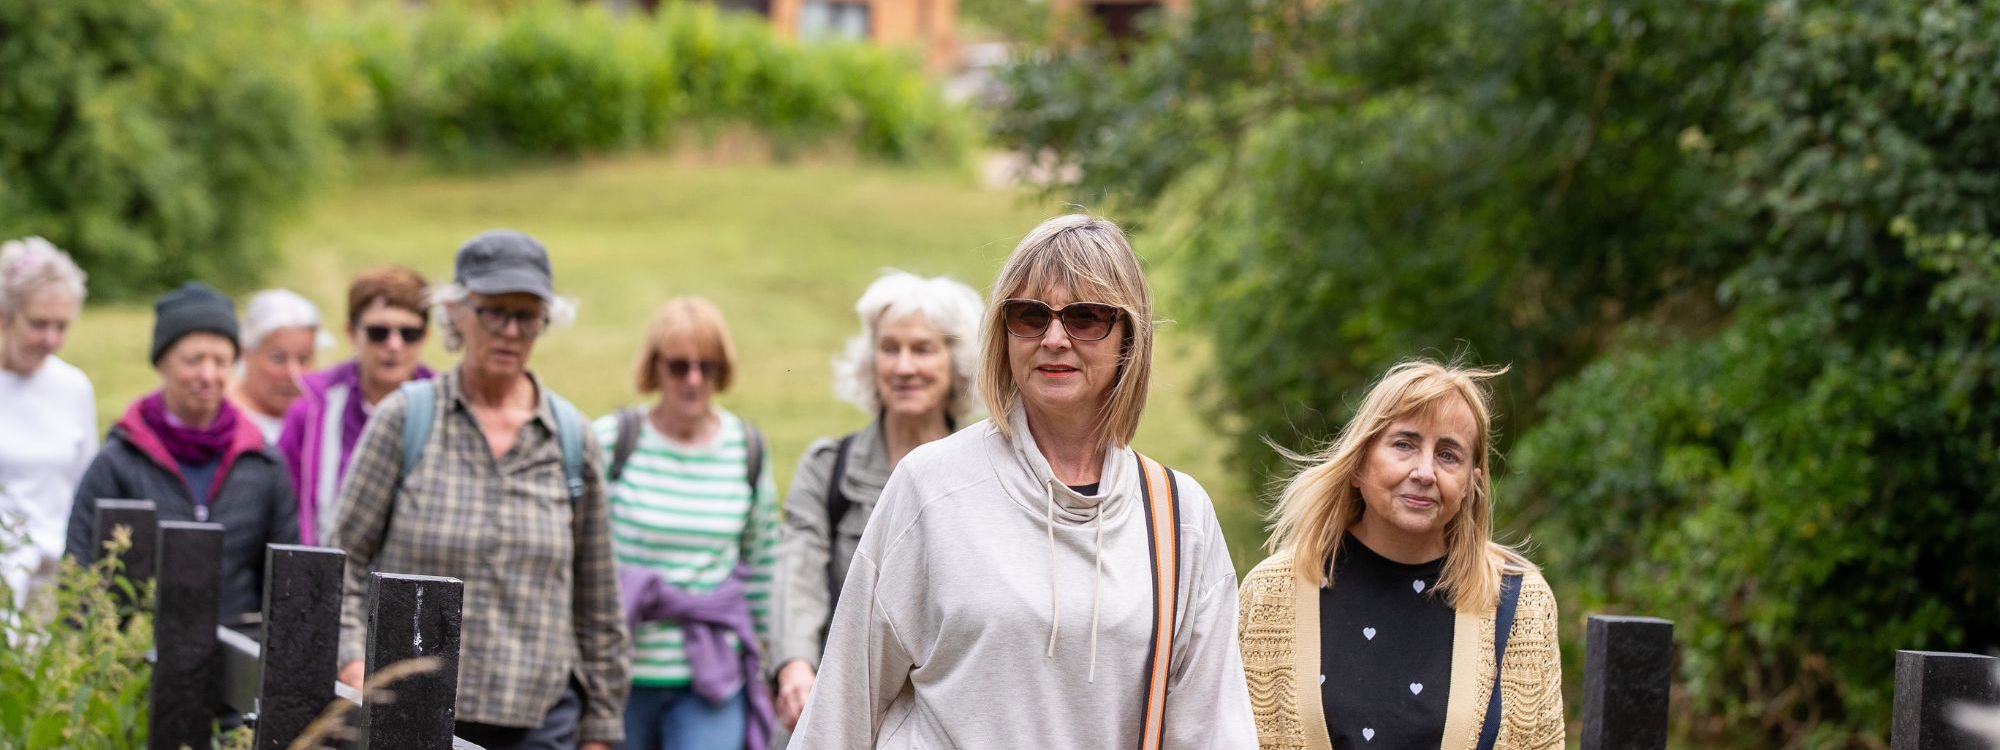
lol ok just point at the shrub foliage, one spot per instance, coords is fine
(161, 141)
(157, 141)
(1741, 253)
(553, 78)
(77, 679)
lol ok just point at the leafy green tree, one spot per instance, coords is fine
(157, 141)
(1740, 253)
(1382, 179)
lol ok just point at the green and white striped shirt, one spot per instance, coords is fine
(688, 513)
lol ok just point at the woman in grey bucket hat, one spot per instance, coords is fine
(491, 499)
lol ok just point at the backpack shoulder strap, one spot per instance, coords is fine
(1503, 624)
(1163, 537)
(753, 448)
(569, 435)
(836, 509)
(420, 396)
(626, 442)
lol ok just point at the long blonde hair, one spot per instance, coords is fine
(1090, 257)
(1320, 502)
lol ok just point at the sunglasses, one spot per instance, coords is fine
(495, 320)
(679, 368)
(380, 334)
(1083, 321)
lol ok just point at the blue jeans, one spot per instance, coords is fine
(680, 719)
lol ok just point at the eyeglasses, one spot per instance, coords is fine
(679, 368)
(1083, 321)
(380, 334)
(495, 320)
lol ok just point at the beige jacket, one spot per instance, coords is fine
(1278, 622)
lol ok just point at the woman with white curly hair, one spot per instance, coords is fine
(912, 366)
(50, 406)
(282, 337)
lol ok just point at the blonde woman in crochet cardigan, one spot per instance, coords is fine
(1409, 478)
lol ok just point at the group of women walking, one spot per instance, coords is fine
(1025, 580)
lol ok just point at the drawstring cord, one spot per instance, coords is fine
(1096, 581)
(1055, 604)
(1096, 578)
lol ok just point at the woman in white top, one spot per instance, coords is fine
(281, 341)
(51, 410)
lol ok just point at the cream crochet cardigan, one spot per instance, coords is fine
(1278, 622)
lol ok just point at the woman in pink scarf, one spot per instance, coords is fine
(192, 453)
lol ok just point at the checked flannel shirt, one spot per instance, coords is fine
(541, 593)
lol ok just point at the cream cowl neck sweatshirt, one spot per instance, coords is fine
(989, 606)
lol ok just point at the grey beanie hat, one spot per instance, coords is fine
(193, 308)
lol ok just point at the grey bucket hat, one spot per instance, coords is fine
(504, 261)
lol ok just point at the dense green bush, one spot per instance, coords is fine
(157, 141)
(1741, 254)
(554, 78)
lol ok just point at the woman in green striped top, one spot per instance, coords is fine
(690, 503)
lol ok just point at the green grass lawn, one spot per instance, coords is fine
(784, 250)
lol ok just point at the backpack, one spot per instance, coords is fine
(421, 395)
(628, 441)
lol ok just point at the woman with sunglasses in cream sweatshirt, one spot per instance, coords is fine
(1031, 581)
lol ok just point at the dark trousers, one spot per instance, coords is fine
(557, 732)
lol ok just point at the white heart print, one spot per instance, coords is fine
(1368, 633)
(1322, 679)
(1367, 734)
(1418, 585)
(1416, 688)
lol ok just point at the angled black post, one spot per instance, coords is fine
(1928, 685)
(301, 640)
(413, 617)
(143, 520)
(1627, 669)
(187, 679)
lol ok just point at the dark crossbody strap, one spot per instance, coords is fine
(1162, 498)
(837, 505)
(1503, 624)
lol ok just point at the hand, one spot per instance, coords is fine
(594, 746)
(795, 684)
(351, 673)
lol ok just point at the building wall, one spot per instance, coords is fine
(927, 26)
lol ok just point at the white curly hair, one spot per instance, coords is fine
(30, 263)
(273, 310)
(951, 307)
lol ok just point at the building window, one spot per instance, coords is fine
(824, 19)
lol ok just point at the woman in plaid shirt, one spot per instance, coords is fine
(544, 651)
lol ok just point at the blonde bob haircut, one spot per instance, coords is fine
(1321, 502)
(693, 320)
(1090, 258)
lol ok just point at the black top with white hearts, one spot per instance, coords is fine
(1385, 652)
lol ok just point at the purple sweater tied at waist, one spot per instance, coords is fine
(705, 619)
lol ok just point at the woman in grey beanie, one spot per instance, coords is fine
(190, 451)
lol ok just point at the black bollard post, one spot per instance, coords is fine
(413, 617)
(187, 679)
(143, 520)
(1928, 685)
(301, 640)
(1627, 669)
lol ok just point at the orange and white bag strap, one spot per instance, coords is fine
(1163, 537)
